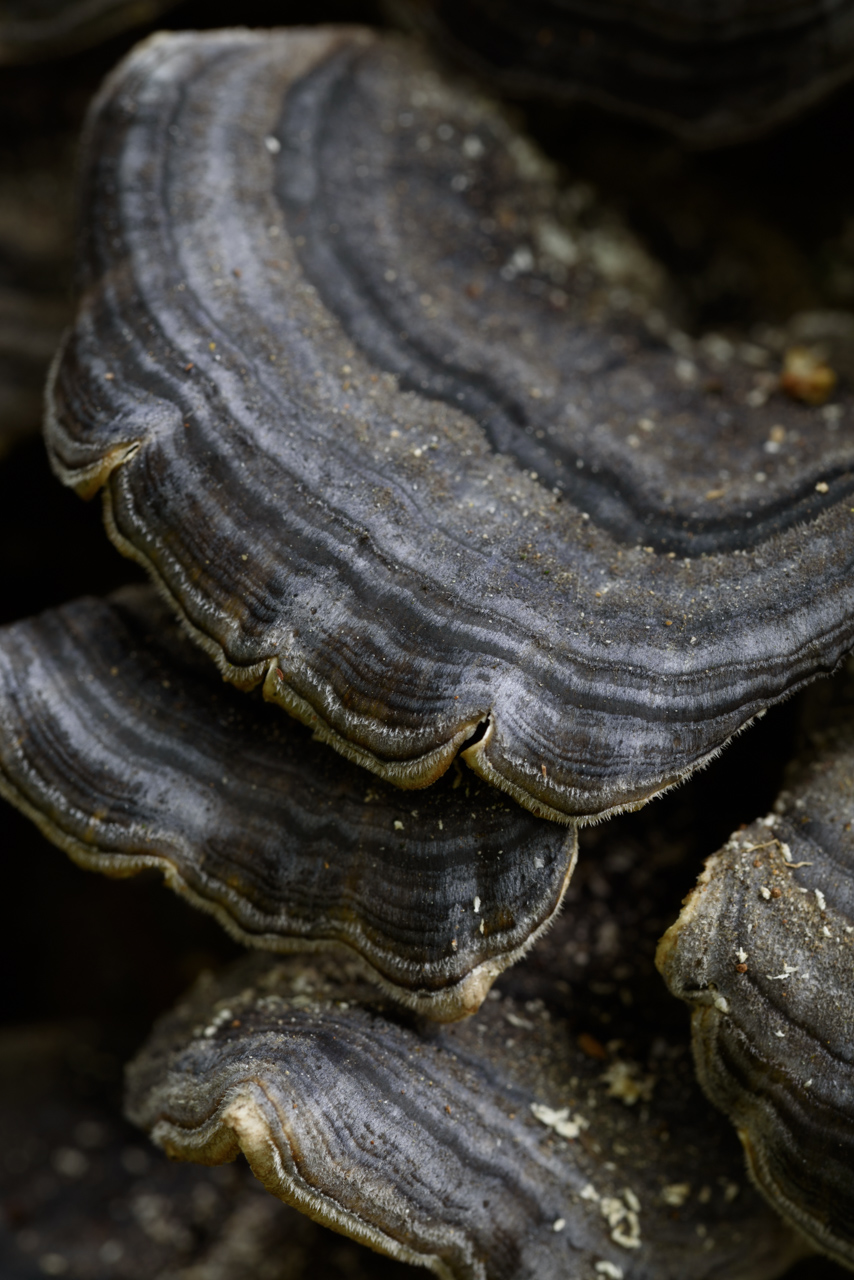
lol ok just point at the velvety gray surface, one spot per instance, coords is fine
(408, 437)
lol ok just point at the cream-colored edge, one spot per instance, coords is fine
(807, 1231)
(415, 774)
(816, 1238)
(450, 1004)
(237, 1126)
(703, 1013)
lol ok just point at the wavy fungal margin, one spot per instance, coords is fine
(388, 399)
(448, 1147)
(763, 955)
(120, 743)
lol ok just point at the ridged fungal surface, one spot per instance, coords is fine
(764, 954)
(711, 73)
(399, 425)
(86, 1195)
(503, 1147)
(120, 740)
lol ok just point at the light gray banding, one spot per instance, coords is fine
(763, 952)
(120, 740)
(375, 456)
(494, 1149)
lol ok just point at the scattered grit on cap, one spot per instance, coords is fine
(497, 1148)
(120, 740)
(402, 434)
(764, 954)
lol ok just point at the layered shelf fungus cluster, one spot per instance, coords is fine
(398, 439)
(458, 542)
(247, 817)
(499, 1147)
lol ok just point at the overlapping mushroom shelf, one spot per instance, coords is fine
(516, 1144)
(764, 954)
(89, 1196)
(405, 435)
(120, 740)
(711, 74)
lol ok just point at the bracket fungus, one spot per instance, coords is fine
(402, 437)
(83, 1196)
(119, 739)
(505, 1147)
(763, 952)
(711, 74)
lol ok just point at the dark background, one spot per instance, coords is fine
(751, 234)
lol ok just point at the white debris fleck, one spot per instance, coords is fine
(589, 1192)
(515, 1021)
(398, 825)
(520, 261)
(613, 1207)
(628, 1236)
(626, 1082)
(631, 1199)
(610, 1270)
(826, 931)
(820, 899)
(722, 1004)
(676, 1193)
(273, 145)
(623, 1221)
(768, 820)
(788, 970)
(558, 1224)
(780, 1034)
(557, 243)
(563, 1124)
(476, 906)
(742, 955)
(786, 851)
(217, 1021)
(766, 893)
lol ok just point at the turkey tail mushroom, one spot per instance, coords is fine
(406, 440)
(763, 953)
(120, 741)
(462, 1149)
